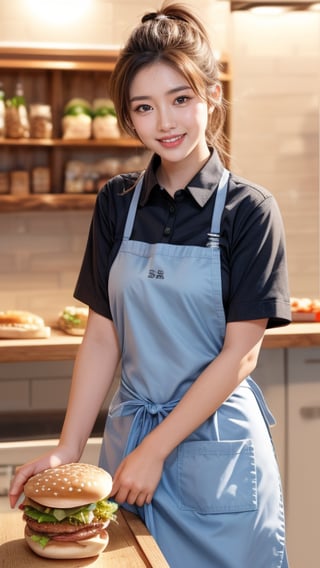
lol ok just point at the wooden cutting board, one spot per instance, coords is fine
(130, 546)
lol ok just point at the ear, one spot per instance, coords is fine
(216, 94)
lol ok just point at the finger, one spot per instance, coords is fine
(115, 489)
(22, 474)
(121, 495)
(140, 500)
(149, 498)
(136, 498)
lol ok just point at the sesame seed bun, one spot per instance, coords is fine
(16, 324)
(69, 485)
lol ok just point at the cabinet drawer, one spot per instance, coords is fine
(14, 395)
(304, 365)
(49, 393)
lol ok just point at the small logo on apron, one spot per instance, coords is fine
(157, 274)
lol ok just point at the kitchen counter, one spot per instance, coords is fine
(130, 545)
(63, 347)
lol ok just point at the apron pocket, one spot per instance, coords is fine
(217, 477)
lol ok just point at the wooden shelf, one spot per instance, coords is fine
(53, 77)
(46, 202)
(61, 142)
(58, 59)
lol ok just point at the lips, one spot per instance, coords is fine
(171, 141)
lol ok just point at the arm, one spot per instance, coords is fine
(93, 373)
(138, 475)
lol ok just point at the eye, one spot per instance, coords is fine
(143, 108)
(182, 100)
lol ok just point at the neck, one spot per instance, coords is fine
(175, 176)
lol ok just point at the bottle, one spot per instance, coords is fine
(2, 111)
(17, 120)
(18, 99)
(40, 121)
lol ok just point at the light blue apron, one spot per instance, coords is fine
(219, 502)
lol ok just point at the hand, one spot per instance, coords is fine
(55, 457)
(137, 477)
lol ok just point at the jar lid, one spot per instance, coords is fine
(39, 109)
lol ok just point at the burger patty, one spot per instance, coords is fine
(63, 527)
(83, 534)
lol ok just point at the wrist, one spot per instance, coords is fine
(157, 444)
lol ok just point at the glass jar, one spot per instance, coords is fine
(40, 121)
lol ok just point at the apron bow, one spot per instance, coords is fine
(146, 416)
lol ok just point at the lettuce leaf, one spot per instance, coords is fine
(41, 539)
(101, 511)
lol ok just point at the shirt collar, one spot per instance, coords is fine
(201, 187)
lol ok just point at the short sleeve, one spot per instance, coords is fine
(92, 283)
(258, 279)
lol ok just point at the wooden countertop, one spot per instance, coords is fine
(63, 347)
(302, 334)
(58, 347)
(130, 545)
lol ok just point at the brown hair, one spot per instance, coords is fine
(176, 36)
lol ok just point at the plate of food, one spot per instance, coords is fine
(305, 309)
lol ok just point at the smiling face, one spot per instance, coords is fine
(167, 115)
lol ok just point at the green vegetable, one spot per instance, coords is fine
(105, 111)
(40, 516)
(71, 318)
(102, 511)
(77, 106)
(41, 539)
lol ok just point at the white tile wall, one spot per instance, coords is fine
(34, 386)
(275, 126)
(40, 257)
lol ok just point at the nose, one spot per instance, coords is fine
(166, 119)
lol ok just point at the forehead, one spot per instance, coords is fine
(157, 77)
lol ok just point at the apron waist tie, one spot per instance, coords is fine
(146, 416)
(267, 414)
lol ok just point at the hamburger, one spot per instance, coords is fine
(16, 324)
(66, 511)
(73, 320)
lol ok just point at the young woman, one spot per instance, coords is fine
(184, 269)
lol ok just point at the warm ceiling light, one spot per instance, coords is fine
(273, 7)
(268, 10)
(59, 11)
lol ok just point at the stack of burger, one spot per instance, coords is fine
(73, 320)
(21, 324)
(67, 511)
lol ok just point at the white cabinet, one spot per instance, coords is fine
(303, 451)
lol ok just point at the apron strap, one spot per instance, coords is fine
(132, 209)
(220, 201)
(267, 414)
(214, 235)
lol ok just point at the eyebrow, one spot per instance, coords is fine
(170, 92)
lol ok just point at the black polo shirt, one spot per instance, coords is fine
(253, 259)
